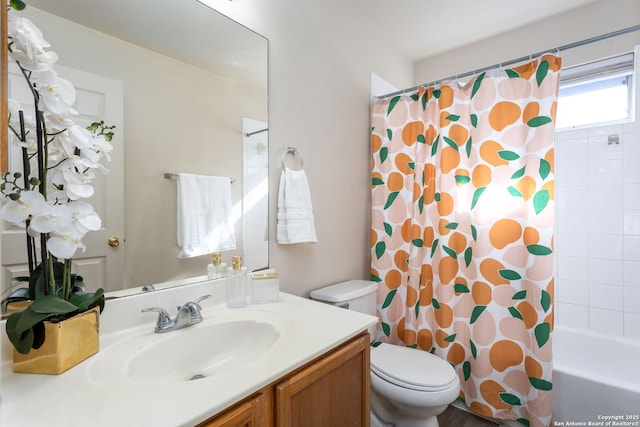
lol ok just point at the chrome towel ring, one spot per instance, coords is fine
(293, 153)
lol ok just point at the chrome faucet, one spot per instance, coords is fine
(188, 314)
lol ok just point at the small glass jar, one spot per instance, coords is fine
(265, 287)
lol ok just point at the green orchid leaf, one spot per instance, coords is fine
(17, 4)
(468, 146)
(474, 120)
(421, 204)
(451, 225)
(453, 117)
(525, 422)
(436, 93)
(435, 303)
(52, 305)
(474, 233)
(388, 229)
(84, 301)
(421, 139)
(376, 181)
(474, 350)
(415, 96)
(418, 243)
(375, 278)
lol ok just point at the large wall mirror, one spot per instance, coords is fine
(186, 88)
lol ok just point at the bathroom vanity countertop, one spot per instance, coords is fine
(80, 397)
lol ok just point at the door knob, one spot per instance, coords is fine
(114, 242)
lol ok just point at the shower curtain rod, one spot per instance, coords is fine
(524, 58)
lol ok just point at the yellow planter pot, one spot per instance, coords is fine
(66, 344)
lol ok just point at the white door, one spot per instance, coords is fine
(102, 264)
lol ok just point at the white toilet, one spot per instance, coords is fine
(409, 387)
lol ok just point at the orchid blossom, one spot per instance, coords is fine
(48, 201)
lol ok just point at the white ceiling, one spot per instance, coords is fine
(422, 28)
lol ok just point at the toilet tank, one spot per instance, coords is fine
(357, 295)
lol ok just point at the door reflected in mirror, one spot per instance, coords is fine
(184, 86)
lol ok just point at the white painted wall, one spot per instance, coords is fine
(593, 19)
(321, 55)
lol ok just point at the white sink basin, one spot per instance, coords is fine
(208, 349)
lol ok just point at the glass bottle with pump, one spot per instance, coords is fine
(216, 269)
(237, 284)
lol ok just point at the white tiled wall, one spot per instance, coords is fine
(598, 227)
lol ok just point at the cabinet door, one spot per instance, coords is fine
(254, 412)
(332, 391)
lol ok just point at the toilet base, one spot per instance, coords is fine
(382, 409)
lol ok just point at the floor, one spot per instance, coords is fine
(454, 417)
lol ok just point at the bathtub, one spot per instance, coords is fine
(594, 377)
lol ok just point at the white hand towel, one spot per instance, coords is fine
(295, 213)
(204, 215)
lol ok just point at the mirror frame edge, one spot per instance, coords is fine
(4, 113)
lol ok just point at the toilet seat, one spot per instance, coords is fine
(413, 369)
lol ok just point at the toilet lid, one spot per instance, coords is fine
(410, 368)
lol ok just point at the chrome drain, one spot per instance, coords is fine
(196, 377)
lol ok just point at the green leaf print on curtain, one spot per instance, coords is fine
(462, 248)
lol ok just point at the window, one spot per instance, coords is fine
(596, 93)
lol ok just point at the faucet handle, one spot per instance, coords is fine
(164, 320)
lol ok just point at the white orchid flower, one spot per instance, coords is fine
(64, 243)
(26, 36)
(59, 218)
(30, 203)
(86, 219)
(57, 95)
(39, 62)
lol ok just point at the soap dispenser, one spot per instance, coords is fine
(237, 284)
(216, 269)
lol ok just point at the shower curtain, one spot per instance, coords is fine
(462, 232)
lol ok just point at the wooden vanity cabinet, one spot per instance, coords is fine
(332, 390)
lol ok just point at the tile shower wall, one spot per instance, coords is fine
(598, 228)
